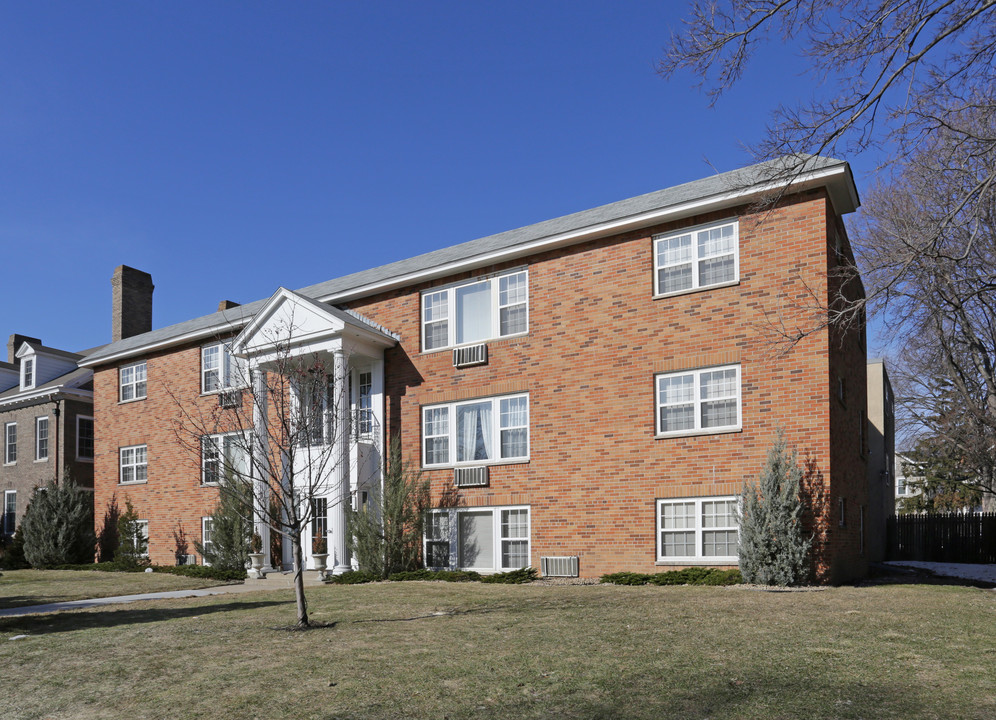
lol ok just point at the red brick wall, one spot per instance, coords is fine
(596, 339)
(173, 496)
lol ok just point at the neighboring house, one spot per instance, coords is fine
(46, 417)
(881, 457)
(586, 395)
(908, 480)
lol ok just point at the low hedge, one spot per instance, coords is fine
(194, 571)
(515, 577)
(688, 576)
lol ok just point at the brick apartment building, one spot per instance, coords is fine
(585, 394)
(46, 417)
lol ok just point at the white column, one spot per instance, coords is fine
(260, 462)
(340, 466)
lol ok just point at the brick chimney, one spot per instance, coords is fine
(131, 304)
(227, 305)
(14, 344)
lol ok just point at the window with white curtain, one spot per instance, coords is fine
(486, 539)
(698, 401)
(223, 456)
(487, 430)
(695, 258)
(220, 370)
(476, 311)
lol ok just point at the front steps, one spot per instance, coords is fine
(283, 579)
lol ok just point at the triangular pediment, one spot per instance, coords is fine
(290, 320)
(287, 320)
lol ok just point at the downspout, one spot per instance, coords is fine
(58, 413)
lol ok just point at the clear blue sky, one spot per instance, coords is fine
(228, 148)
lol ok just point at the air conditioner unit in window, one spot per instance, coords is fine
(230, 399)
(470, 355)
(566, 566)
(470, 477)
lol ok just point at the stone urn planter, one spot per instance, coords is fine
(256, 565)
(321, 562)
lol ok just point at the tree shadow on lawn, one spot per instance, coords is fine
(73, 620)
(724, 697)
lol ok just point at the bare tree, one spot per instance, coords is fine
(896, 74)
(931, 256)
(278, 437)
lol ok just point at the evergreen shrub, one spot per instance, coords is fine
(774, 550)
(58, 526)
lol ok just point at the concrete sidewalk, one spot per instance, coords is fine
(120, 599)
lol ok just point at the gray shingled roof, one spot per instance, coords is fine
(781, 170)
(77, 379)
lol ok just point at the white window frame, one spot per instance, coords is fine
(8, 446)
(9, 525)
(134, 464)
(41, 422)
(498, 539)
(446, 297)
(222, 443)
(93, 438)
(364, 402)
(29, 373)
(133, 378)
(660, 240)
(207, 542)
(697, 402)
(496, 427)
(230, 369)
(317, 416)
(142, 530)
(699, 558)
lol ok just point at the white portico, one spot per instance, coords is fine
(338, 460)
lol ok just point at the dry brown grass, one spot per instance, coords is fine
(421, 650)
(38, 587)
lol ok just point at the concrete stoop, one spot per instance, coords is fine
(284, 578)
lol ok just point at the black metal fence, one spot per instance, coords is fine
(943, 537)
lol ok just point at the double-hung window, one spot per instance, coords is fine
(223, 457)
(490, 430)
(364, 424)
(207, 536)
(476, 311)
(484, 539)
(9, 524)
(41, 438)
(698, 529)
(698, 401)
(220, 370)
(315, 422)
(696, 258)
(84, 437)
(319, 519)
(142, 537)
(27, 373)
(132, 381)
(10, 443)
(134, 464)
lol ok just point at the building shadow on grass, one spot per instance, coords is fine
(119, 615)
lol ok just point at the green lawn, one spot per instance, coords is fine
(37, 587)
(437, 650)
